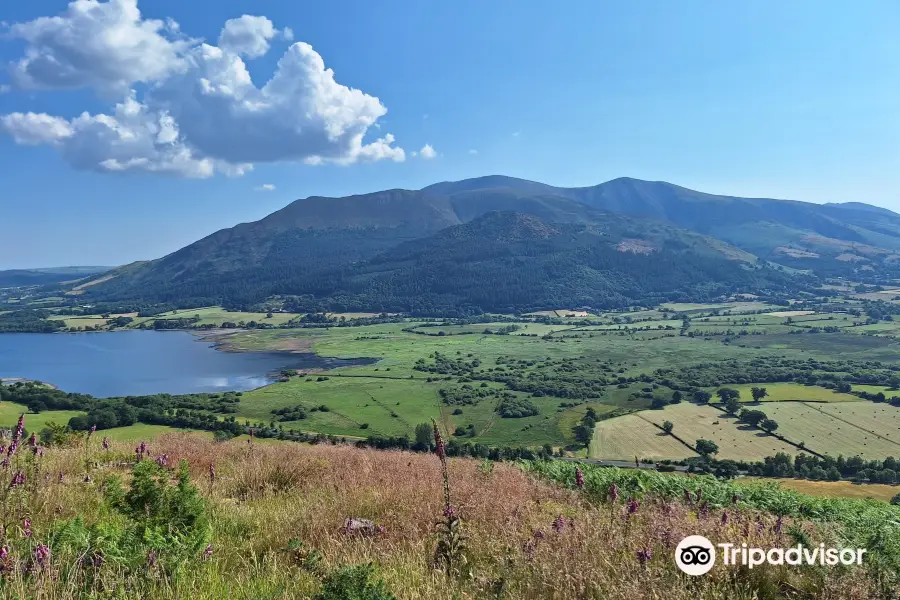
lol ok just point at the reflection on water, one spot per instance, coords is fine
(133, 363)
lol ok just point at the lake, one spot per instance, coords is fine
(133, 363)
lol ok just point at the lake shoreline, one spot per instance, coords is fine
(146, 363)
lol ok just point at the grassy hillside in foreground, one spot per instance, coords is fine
(271, 523)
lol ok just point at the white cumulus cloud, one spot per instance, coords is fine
(427, 152)
(266, 187)
(32, 129)
(202, 113)
(132, 138)
(247, 35)
(106, 45)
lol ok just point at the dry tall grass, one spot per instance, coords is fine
(527, 539)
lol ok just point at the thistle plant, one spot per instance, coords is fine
(450, 553)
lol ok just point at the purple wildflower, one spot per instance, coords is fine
(106, 443)
(439, 448)
(42, 554)
(17, 479)
(538, 534)
(62, 477)
(724, 518)
(704, 510)
(631, 508)
(559, 524)
(13, 446)
(5, 559)
(449, 512)
(162, 460)
(96, 559)
(91, 431)
(579, 478)
(140, 451)
(779, 525)
(735, 499)
(746, 529)
(212, 473)
(151, 558)
(32, 441)
(614, 493)
(207, 554)
(20, 428)
(645, 555)
(26, 528)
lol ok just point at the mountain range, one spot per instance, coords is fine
(497, 242)
(30, 277)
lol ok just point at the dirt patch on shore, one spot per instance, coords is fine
(229, 340)
(296, 345)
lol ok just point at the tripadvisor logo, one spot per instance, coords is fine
(696, 555)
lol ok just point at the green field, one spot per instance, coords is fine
(630, 436)
(783, 392)
(878, 418)
(693, 422)
(136, 432)
(210, 315)
(9, 415)
(827, 431)
(620, 351)
(391, 397)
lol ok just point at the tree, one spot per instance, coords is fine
(702, 397)
(668, 426)
(768, 425)
(752, 417)
(676, 397)
(896, 500)
(584, 431)
(725, 394)
(658, 403)
(758, 393)
(706, 447)
(732, 406)
(424, 432)
(726, 469)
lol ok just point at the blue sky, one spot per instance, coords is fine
(795, 100)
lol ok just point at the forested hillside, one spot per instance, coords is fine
(510, 262)
(338, 252)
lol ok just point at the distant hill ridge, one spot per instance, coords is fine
(313, 238)
(46, 276)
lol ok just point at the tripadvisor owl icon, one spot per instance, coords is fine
(695, 555)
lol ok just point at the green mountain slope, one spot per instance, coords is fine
(851, 239)
(300, 247)
(509, 262)
(310, 237)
